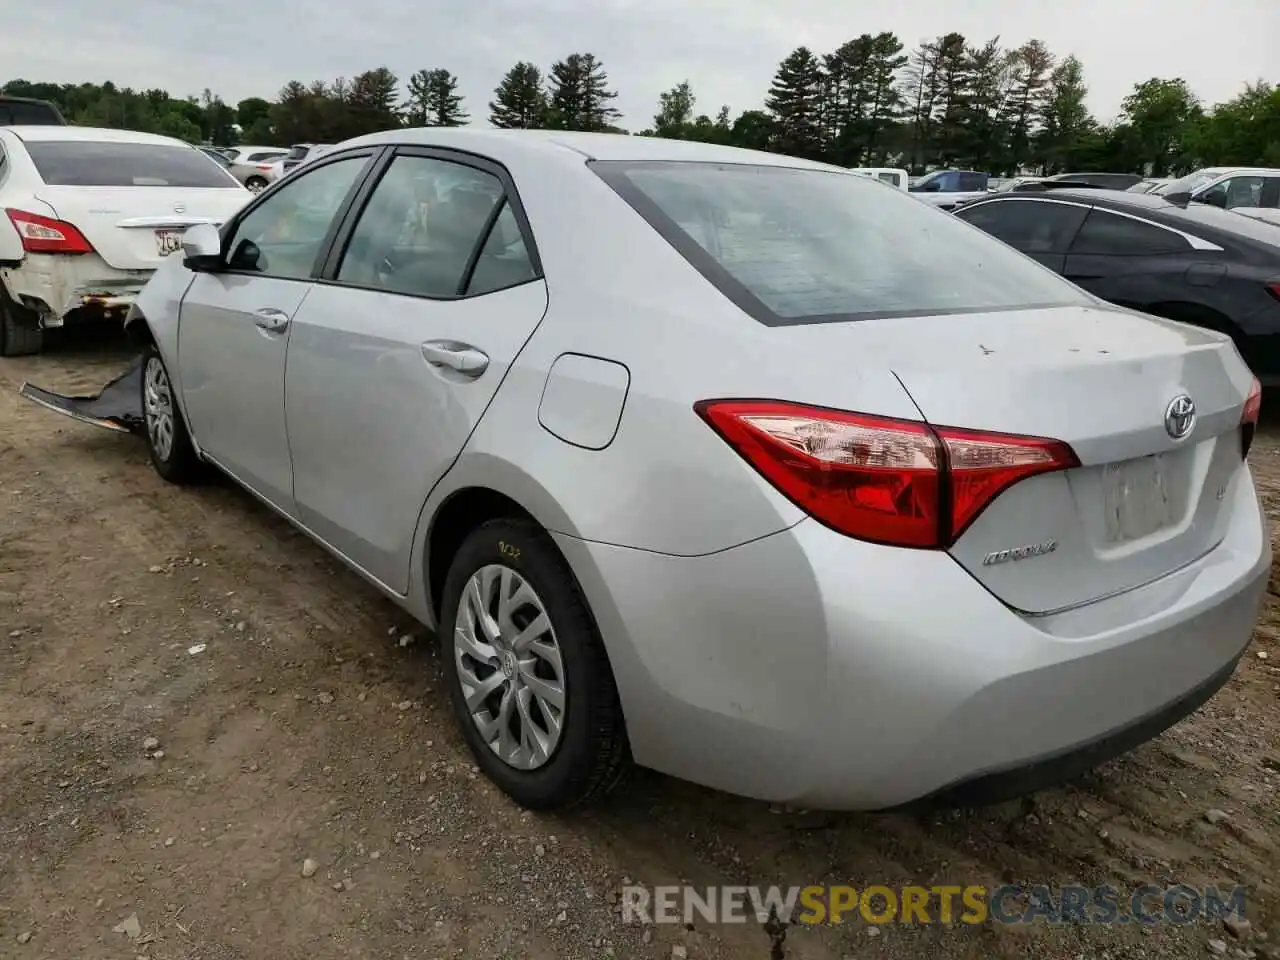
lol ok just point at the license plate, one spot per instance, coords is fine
(168, 241)
(1136, 498)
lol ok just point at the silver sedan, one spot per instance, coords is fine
(728, 464)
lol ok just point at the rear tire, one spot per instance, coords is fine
(20, 332)
(168, 442)
(588, 754)
(256, 184)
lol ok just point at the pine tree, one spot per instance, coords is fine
(580, 94)
(519, 102)
(795, 100)
(434, 100)
(371, 101)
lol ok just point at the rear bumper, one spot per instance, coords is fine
(810, 668)
(55, 286)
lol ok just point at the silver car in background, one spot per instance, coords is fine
(733, 465)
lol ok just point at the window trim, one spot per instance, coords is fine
(372, 155)
(1196, 243)
(328, 273)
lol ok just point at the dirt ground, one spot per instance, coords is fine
(290, 722)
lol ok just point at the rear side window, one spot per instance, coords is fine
(971, 182)
(85, 163)
(20, 112)
(267, 155)
(1032, 226)
(806, 246)
(1107, 234)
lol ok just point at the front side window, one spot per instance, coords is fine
(1032, 226)
(803, 246)
(419, 233)
(283, 235)
(1106, 234)
(88, 163)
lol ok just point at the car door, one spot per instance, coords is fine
(1042, 229)
(1135, 262)
(428, 297)
(234, 325)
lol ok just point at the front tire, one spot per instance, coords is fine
(168, 442)
(20, 331)
(527, 671)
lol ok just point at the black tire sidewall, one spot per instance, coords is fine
(525, 549)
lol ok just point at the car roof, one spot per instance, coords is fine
(503, 144)
(33, 134)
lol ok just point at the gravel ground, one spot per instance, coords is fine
(217, 744)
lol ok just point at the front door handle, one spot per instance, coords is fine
(270, 319)
(461, 357)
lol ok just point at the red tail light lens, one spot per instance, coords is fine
(899, 482)
(1273, 288)
(1249, 416)
(46, 235)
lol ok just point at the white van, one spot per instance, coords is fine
(894, 176)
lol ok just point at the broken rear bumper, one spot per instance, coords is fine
(56, 286)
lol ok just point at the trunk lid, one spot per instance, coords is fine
(134, 228)
(1142, 503)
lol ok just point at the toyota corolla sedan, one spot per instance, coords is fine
(723, 463)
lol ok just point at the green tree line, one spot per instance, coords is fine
(869, 102)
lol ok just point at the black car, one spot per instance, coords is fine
(26, 112)
(1194, 263)
(1107, 181)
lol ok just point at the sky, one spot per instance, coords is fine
(727, 49)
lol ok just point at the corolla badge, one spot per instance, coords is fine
(1014, 554)
(1180, 416)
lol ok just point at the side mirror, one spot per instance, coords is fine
(201, 247)
(1181, 198)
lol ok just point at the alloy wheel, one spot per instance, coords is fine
(509, 665)
(158, 408)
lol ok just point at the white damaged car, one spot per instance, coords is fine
(86, 216)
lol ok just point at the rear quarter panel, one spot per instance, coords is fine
(666, 483)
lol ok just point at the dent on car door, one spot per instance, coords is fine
(393, 359)
(234, 326)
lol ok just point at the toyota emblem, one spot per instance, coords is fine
(1180, 416)
(179, 208)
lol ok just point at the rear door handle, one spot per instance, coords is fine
(461, 357)
(271, 319)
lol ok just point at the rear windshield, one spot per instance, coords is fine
(806, 246)
(85, 163)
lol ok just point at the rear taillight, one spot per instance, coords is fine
(264, 166)
(1249, 416)
(899, 482)
(46, 235)
(1273, 288)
